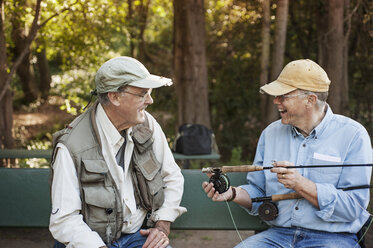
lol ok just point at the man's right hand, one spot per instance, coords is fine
(214, 195)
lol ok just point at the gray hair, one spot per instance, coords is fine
(103, 97)
(321, 96)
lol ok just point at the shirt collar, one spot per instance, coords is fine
(324, 122)
(320, 127)
(110, 132)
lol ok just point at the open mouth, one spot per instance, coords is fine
(282, 111)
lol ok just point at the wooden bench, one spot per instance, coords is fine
(25, 202)
(47, 154)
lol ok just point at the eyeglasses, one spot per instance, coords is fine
(282, 98)
(142, 96)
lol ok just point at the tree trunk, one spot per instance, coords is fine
(6, 98)
(322, 29)
(278, 53)
(345, 85)
(25, 70)
(6, 102)
(136, 22)
(264, 68)
(190, 68)
(335, 54)
(44, 73)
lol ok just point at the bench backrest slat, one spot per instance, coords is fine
(25, 202)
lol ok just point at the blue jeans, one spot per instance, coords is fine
(298, 237)
(133, 240)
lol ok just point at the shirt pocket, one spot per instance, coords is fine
(328, 175)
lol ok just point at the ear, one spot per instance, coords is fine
(311, 100)
(114, 98)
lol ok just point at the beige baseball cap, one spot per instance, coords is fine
(123, 70)
(299, 74)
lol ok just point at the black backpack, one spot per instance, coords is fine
(193, 139)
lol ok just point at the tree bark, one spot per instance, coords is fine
(190, 68)
(6, 102)
(335, 55)
(136, 21)
(278, 53)
(265, 56)
(45, 78)
(321, 19)
(25, 71)
(6, 98)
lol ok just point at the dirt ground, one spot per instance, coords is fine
(41, 238)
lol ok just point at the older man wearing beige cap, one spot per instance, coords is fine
(115, 181)
(307, 134)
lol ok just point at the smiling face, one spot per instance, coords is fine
(292, 108)
(128, 106)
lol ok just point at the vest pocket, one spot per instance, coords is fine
(149, 180)
(93, 171)
(100, 209)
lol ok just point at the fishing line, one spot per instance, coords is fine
(362, 236)
(234, 223)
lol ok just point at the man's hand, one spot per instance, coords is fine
(214, 195)
(157, 236)
(290, 178)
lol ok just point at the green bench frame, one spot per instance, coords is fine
(25, 200)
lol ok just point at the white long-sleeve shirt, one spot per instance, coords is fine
(66, 222)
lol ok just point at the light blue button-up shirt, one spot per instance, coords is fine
(336, 140)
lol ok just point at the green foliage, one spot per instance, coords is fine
(233, 67)
(84, 34)
(236, 157)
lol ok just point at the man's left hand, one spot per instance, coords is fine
(157, 236)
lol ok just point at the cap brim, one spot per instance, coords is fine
(277, 88)
(152, 81)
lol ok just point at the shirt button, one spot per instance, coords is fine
(296, 208)
(304, 145)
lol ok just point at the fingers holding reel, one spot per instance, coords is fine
(221, 182)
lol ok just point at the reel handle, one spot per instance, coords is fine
(293, 195)
(240, 168)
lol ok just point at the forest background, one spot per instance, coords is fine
(218, 53)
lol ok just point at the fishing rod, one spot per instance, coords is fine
(221, 181)
(251, 168)
(268, 209)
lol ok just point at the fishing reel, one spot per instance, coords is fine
(220, 180)
(268, 211)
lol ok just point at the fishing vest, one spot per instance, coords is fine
(102, 207)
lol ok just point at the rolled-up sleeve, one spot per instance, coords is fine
(337, 205)
(256, 180)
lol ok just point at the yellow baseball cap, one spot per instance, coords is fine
(301, 74)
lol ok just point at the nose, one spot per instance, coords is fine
(149, 99)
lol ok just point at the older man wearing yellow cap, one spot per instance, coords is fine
(323, 215)
(115, 181)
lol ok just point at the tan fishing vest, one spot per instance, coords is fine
(102, 208)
